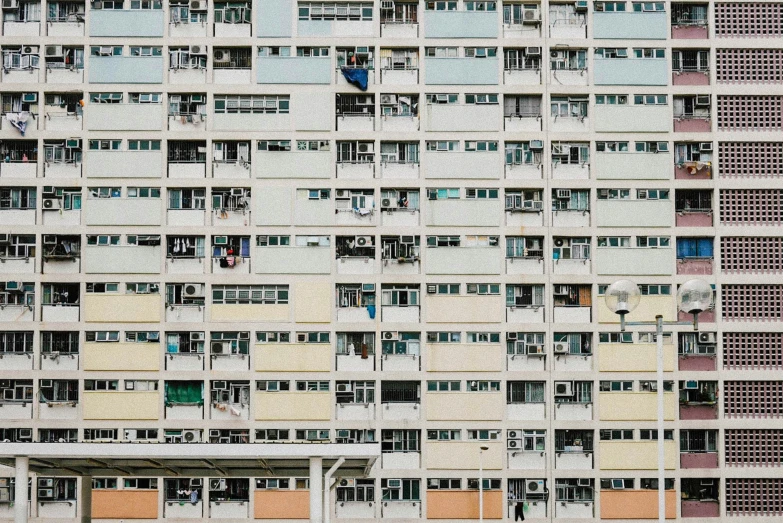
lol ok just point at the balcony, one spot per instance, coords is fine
(693, 265)
(126, 23)
(633, 261)
(634, 213)
(401, 460)
(125, 117)
(568, 314)
(694, 218)
(293, 70)
(124, 164)
(522, 123)
(632, 118)
(463, 213)
(631, 25)
(636, 504)
(13, 361)
(708, 508)
(527, 314)
(23, 28)
(635, 406)
(460, 24)
(60, 313)
(632, 166)
(124, 504)
(532, 264)
(631, 71)
(399, 76)
(697, 362)
(347, 170)
(461, 71)
(633, 357)
(522, 76)
(573, 457)
(126, 69)
(693, 170)
(358, 122)
(281, 505)
(61, 171)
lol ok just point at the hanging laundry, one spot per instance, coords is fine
(235, 411)
(357, 77)
(371, 311)
(18, 120)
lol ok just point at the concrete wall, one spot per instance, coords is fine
(292, 260)
(456, 505)
(464, 357)
(632, 118)
(631, 71)
(648, 308)
(313, 302)
(125, 504)
(461, 71)
(122, 211)
(464, 309)
(123, 164)
(122, 356)
(633, 357)
(463, 260)
(255, 312)
(473, 165)
(135, 23)
(123, 117)
(463, 455)
(281, 504)
(635, 406)
(636, 504)
(457, 117)
(465, 213)
(293, 69)
(126, 69)
(631, 25)
(634, 213)
(122, 259)
(460, 24)
(274, 20)
(121, 405)
(293, 164)
(633, 166)
(465, 406)
(636, 455)
(293, 357)
(634, 261)
(130, 308)
(293, 406)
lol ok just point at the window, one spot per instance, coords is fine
(615, 434)
(615, 337)
(655, 290)
(648, 7)
(308, 51)
(142, 288)
(451, 145)
(614, 241)
(281, 51)
(480, 6)
(335, 11)
(443, 288)
(571, 249)
(652, 434)
(146, 51)
(143, 192)
(650, 99)
(570, 154)
(695, 248)
(249, 294)
(443, 386)
(482, 194)
(480, 52)
(233, 12)
(441, 52)
(690, 60)
(90, 385)
(471, 146)
(524, 296)
(400, 440)
(482, 386)
(611, 147)
(611, 99)
(477, 99)
(450, 5)
(273, 386)
(255, 104)
(652, 194)
(648, 53)
(483, 288)
(525, 392)
(145, 98)
(609, 6)
(401, 489)
(273, 337)
(518, 60)
(102, 288)
(567, 107)
(16, 342)
(105, 145)
(273, 241)
(444, 435)
(652, 242)
(614, 194)
(400, 296)
(651, 147)
(312, 145)
(616, 386)
(17, 198)
(444, 484)
(272, 434)
(312, 386)
(277, 145)
(611, 52)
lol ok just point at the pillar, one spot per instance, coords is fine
(85, 499)
(21, 502)
(316, 490)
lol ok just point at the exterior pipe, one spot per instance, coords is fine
(327, 489)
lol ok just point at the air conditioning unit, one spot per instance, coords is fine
(30, 98)
(535, 349)
(193, 290)
(237, 191)
(10, 4)
(214, 433)
(387, 5)
(520, 347)
(583, 482)
(561, 348)
(301, 337)
(533, 51)
(622, 53)
(222, 56)
(220, 347)
(389, 203)
(561, 149)
(368, 287)
(363, 241)
(73, 143)
(367, 147)
(130, 434)
(432, 289)
(46, 384)
(198, 5)
(14, 286)
(191, 436)
(30, 49)
(49, 190)
(705, 146)
(196, 482)
(45, 493)
(49, 239)
(51, 203)
(581, 5)
(560, 290)
(536, 145)
(536, 485)
(45, 482)
(407, 240)
(530, 16)
(388, 99)
(514, 434)
(390, 335)
(196, 336)
(105, 51)
(564, 194)
(514, 443)
(220, 240)
(342, 194)
(362, 50)
(344, 387)
(53, 51)
(702, 100)
(511, 336)
(153, 336)
(217, 484)
(691, 385)
(347, 482)
(198, 50)
(25, 434)
(564, 388)
(707, 337)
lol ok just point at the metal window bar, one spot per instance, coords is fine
(187, 152)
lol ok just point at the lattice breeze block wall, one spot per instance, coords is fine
(754, 497)
(754, 447)
(751, 254)
(749, 65)
(751, 206)
(750, 159)
(750, 112)
(753, 399)
(752, 302)
(748, 19)
(752, 350)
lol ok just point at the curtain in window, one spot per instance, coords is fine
(184, 392)
(694, 248)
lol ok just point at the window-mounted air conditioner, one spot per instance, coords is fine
(564, 388)
(193, 290)
(511, 336)
(407, 240)
(705, 146)
(691, 385)
(561, 348)
(196, 336)
(390, 336)
(564, 194)
(197, 50)
(532, 51)
(219, 385)
(388, 99)
(217, 484)
(198, 5)
(583, 482)
(560, 149)
(191, 436)
(29, 98)
(536, 145)
(53, 51)
(220, 240)
(10, 4)
(581, 5)
(344, 387)
(703, 100)
(560, 290)
(707, 337)
(49, 239)
(535, 349)
(367, 147)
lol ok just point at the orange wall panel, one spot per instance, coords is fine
(460, 504)
(125, 504)
(636, 504)
(282, 504)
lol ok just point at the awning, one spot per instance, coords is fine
(189, 459)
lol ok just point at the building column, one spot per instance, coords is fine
(85, 499)
(20, 489)
(316, 490)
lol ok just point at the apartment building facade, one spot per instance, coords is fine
(391, 224)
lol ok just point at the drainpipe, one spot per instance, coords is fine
(327, 488)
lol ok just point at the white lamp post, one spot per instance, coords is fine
(481, 481)
(693, 297)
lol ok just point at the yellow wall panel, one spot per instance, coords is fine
(313, 302)
(462, 455)
(459, 357)
(297, 406)
(122, 356)
(636, 455)
(465, 406)
(123, 308)
(294, 357)
(635, 406)
(633, 357)
(122, 405)
(649, 307)
(269, 313)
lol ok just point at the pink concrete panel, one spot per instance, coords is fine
(690, 32)
(700, 509)
(697, 363)
(691, 412)
(700, 266)
(699, 460)
(704, 317)
(693, 171)
(692, 125)
(693, 219)
(691, 78)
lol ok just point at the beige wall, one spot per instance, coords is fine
(312, 302)
(462, 455)
(121, 405)
(464, 309)
(267, 313)
(465, 406)
(636, 455)
(633, 357)
(122, 356)
(125, 504)
(123, 308)
(636, 504)
(648, 308)
(635, 406)
(281, 504)
(463, 357)
(298, 406)
(294, 357)
(461, 504)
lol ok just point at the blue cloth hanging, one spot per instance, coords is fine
(371, 311)
(357, 77)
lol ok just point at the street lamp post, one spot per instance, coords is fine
(693, 297)
(481, 481)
